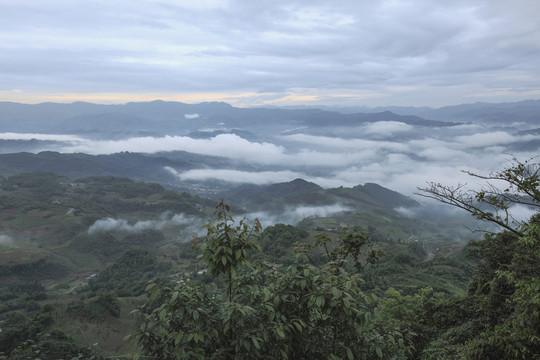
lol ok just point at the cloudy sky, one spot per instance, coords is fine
(244, 52)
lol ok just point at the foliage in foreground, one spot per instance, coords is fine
(304, 311)
(502, 320)
(317, 310)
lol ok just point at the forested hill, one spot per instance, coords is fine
(277, 197)
(78, 253)
(137, 166)
(152, 168)
(42, 210)
(44, 215)
(86, 262)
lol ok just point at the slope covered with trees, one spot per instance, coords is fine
(77, 256)
(316, 308)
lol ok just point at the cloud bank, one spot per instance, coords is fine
(402, 161)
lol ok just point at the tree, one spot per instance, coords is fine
(227, 247)
(265, 311)
(506, 288)
(520, 186)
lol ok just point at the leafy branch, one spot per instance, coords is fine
(493, 203)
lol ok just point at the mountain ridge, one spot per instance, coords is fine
(176, 117)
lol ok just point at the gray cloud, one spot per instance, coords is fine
(166, 219)
(236, 176)
(294, 215)
(377, 53)
(229, 145)
(387, 128)
(226, 145)
(368, 145)
(5, 240)
(522, 213)
(492, 139)
(253, 177)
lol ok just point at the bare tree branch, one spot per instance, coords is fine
(493, 203)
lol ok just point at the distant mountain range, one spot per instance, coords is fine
(527, 111)
(362, 136)
(175, 118)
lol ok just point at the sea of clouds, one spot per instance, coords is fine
(399, 156)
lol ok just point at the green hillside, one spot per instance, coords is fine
(76, 255)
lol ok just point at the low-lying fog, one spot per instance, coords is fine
(393, 154)
(165, 220)
(192, 225)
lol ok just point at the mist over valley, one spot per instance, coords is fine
(304, 167)
(215, 143)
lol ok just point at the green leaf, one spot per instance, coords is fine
(350, 354)
(150, 286)
(367, 316)
(178, 338)
(379, 352)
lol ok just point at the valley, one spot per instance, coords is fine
(100, 208)
(63, 235)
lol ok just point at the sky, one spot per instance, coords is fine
(258, 53)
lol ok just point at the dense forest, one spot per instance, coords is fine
(105, 267)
